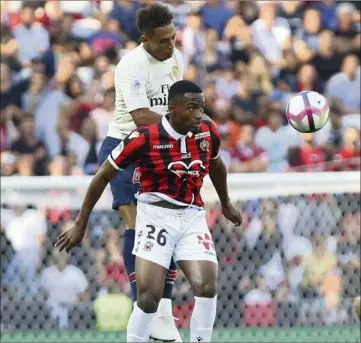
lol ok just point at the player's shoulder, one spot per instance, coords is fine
(133, 60)
(178, 55)
(207, 122)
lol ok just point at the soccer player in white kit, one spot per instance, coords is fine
(142, 81)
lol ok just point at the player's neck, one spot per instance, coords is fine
(176, 127)
(146, 48)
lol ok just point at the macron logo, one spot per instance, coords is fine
(199, 339)
(164, 146)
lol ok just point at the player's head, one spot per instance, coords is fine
(155, 24)
(186, 104)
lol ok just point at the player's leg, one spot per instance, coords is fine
(163, 325)
(202, 275)
(196, 256)
(154, 245)
(149, 294)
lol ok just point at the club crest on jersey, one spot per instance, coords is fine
(118, 150)
(175, 71)
(204, 145)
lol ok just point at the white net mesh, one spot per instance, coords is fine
(295, 263)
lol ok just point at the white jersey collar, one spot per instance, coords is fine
(171, 132)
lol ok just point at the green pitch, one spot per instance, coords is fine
(330, 334)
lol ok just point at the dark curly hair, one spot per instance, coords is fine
(151, 17)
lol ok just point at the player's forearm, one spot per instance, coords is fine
(95, 191)
(93, 194)
(218, 175)
(145, 117)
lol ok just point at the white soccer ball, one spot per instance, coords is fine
(308, 111)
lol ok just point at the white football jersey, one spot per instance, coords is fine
(141, 81)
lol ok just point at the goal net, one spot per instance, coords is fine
(289, 274)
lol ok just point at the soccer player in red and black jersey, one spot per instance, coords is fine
(174, 156)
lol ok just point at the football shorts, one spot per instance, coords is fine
(163, 233)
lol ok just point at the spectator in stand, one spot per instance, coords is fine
(348, 158)
(275, 139)
(36, 92)
(29, 145)
(215, 15)
(326, 61)
(65, 285)
(347, 33)
(103, 114)
(308, 34)
(33, 38)
(248, 157)
(26, 230)
(259, 307)
(246, 101)
(293, 11)
(125, 12)
(312, 157)
(307, 79)
(328, 13)
(194, 39)
(345, 86)
(271, 34)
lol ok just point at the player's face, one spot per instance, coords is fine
(161, 42)
(190, 112)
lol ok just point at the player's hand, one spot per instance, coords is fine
(71, 238)
(232, 214)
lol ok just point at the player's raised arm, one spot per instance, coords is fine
(132, 84)
(218, 175)
(127, 152)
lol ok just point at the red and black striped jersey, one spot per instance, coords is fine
(172, 166)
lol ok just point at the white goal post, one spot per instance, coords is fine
(69, 190)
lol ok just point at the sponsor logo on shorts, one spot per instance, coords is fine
(199, 339)
(207, 242)
(148, 246)
(164, 146)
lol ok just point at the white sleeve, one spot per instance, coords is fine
(131, 83)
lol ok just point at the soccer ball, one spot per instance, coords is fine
(308, 111)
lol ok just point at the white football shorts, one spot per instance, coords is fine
(162, 233)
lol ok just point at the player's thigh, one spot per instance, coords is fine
(202, 276)
(196, 255)
(148, 273)
(156, 234)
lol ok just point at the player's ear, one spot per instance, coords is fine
(171, 107)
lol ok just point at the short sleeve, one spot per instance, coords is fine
(216, 141)
(131, 83)
(129, 150)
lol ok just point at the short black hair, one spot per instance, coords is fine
(180, 88)
(151, 17)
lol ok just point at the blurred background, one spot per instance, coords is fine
(296, 260)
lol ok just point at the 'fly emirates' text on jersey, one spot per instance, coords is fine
(172, 166)
(141, 81)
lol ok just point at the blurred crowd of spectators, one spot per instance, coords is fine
(294, 262)
(58, 60)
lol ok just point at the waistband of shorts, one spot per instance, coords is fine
(169, 208)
